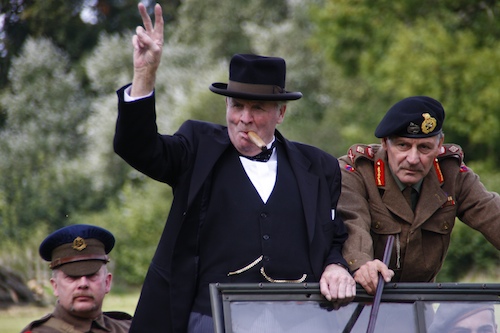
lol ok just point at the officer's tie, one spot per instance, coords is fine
(410, 195)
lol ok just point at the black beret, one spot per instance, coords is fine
(78, 249)
(412, 117)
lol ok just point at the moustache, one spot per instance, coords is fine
(83, 295)
(410, 168)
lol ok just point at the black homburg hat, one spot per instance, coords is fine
(255, 77)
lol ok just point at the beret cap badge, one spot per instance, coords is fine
(429, 123)
(79, 244)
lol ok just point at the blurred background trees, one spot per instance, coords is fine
(61, 62)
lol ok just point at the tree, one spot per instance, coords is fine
(218, 26)
(44, 135)
(72, 25)
(449, 50)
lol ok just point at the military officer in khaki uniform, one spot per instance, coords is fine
(411, 186)
(78, 255)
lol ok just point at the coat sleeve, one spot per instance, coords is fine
(478, 207)
(137, 141)
(339, 233)
(353, 208)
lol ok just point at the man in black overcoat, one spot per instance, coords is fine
(249, 205)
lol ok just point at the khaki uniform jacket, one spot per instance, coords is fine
(373, 207)
(107, 322)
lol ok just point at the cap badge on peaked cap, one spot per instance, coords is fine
(79, 244)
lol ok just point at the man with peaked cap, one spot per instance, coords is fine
(234, 217)
(453, 317)
(78, 255)
(411, 186)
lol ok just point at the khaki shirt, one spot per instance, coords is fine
(107, 322)
(373, 207)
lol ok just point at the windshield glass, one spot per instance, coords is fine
(415, 317)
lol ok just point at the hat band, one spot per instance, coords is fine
(61, 261)
(265, 89)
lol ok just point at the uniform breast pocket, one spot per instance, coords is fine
(435, 239)
(383, 222)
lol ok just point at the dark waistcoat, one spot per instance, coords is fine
(239, 227)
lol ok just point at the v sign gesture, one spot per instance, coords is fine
(148, 44)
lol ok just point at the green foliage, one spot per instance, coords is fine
(107, 66)
(72, 25)
(468, 251)
(45, 111)
(23, 257)
(448, 50)
(136, 217)
(450, 67)
(218, 26)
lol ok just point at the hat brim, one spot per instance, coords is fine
(221, 89)
(82, 268)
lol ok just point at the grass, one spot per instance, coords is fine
(14, 319)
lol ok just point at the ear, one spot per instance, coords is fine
(53, 282)
(383, 141)
(109, 279)
(282, 111)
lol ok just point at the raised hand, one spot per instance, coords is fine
(148, 44)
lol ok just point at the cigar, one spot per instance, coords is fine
(257, 140)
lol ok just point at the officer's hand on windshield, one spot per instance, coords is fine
(367, 275)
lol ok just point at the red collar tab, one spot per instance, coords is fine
(380, 173)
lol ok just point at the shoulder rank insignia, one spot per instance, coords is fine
(360, 150)
(380, 173)
(351, 155)
(451, 150)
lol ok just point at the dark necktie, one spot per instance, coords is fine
(263, 156)
(410, 195)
